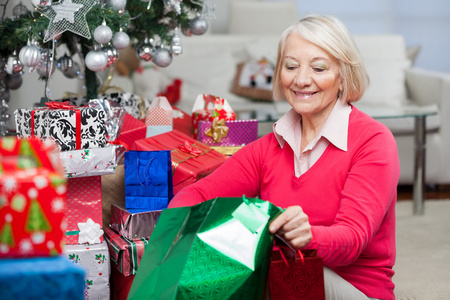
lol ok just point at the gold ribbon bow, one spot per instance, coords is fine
(218, 130)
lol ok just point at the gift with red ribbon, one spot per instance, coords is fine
(125, 255)
(69, 126)
(191, 159)
(207, 108)
(32, 199)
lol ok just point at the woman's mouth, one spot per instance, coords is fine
(304, 94)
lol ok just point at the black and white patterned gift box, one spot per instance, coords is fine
(133, 104)
(71, 127)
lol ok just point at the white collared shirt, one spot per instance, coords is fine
(288, 129)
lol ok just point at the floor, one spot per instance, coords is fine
(405, 192)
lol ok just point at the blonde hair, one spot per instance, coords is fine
(330, 34)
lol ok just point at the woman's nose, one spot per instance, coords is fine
(303, 78)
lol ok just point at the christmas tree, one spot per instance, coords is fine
(93, 30)
(36, 220)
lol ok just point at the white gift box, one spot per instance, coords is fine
(95, 260)
(91, 162)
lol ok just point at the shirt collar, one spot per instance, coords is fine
(335, 128)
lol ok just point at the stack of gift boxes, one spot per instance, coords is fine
(33, 222)
(112, 202)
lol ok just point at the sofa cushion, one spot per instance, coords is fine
(251, 17)
(263, 46)
(386, 62)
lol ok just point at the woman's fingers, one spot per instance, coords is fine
(293, 226)
(287, 216)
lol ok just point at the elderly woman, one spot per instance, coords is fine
(332, 167)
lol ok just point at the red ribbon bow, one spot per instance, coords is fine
(60, 105)
(189, 149)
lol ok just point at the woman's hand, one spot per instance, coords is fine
(293, 226)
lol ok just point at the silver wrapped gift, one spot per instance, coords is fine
(133, 223)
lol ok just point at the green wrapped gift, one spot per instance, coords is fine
(218, 249)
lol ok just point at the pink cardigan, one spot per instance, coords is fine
(349, 197)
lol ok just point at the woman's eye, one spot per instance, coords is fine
(319, 69)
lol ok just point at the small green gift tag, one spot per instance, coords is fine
(250, 215)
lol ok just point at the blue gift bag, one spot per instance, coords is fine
(148, 179)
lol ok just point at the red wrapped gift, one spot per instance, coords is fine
(207, 108)
(296, 276)
(191, 159)
(132, 130)
(125, 254)
(32, 199)
(120, 284)
(84, 206)
(182, 121)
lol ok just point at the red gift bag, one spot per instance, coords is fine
(296, 275)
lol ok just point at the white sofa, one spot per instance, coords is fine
(208, 65)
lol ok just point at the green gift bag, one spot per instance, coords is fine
(218, 249)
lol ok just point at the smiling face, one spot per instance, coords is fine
(310, 78)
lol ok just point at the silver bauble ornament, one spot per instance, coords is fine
(30, 55)
(13, 82)
(64, 63)
(186, 31)
(112, 55)
(96, 60)
(162, 57)
(121, 40)
(117, 4)
(102, 34)
(145, 51)
(175, 45)
(73, 72)
(41, 2)
(46, 63)
(19, 10)
(198, 26)
(13, 65)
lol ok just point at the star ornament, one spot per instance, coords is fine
(68, 15)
